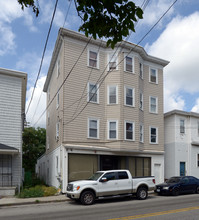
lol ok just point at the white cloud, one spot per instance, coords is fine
(179, 44)
(196, 106)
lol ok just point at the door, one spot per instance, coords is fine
(157, 173)
(124, 183)
(182, 168)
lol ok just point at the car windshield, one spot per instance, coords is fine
(174, 180)
(95, 176)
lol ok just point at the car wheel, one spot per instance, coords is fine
(142, 193)
(197, 190)
(175, 192)
(87, 198)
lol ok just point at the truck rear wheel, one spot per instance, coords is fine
(87, 198)
(142, 193)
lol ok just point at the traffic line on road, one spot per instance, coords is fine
(156, 213)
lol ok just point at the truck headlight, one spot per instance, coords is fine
(76, 188)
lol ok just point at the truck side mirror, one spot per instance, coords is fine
(103, 179)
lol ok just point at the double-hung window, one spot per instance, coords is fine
(153, 104)
(112, 95)
(93, 60)
(153, 76)
(93, 128)
(93, 93)
(129, 96)
(182, 126)
(112, 129)
(129, 64)
(129, 130)
(153, 135)
(112, 61)
(141, 133)
(141, 100)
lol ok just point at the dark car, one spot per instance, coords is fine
(178, 185)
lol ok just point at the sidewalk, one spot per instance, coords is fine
(10, 201)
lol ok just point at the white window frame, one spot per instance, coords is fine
(150, 109)
(112, 58)
(182, 126)
(97, 120)
(156, 71)
(153, 127)
(141, 70)
(57, 131)
(88, 58)
(125, 63)
(58, 101)
(97, 93)
(141, 97)
(108, 94)
(133, 96)
(141, 133)
(133, 131)
(108, 135)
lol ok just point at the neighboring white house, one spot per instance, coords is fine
(12, 112)
(181, 143)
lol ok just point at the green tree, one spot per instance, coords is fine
(112, 19)
(34, 141)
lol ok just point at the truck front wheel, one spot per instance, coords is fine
(87, 198)
(142, 193)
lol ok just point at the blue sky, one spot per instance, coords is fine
(175, 38)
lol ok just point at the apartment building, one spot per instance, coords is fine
(105, 110)
(12, 114)
(181, 143)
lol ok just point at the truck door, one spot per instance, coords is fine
(124, 183)
(108, 184)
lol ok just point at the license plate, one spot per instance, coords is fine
(158, 190)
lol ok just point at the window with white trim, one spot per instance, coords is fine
(93, 128)
(57, 100)
(153, 75)
(93, 60)
(141, 133)
(129, 130)
(112, 61)
(93, 93)
(57, 131)
(112, 129)
(128, 63)
(141, 70)
(129, 96)
(182, 126)
(153, 135)
(153, 104)
(141, 100)
(112, 95)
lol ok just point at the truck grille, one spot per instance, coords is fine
(70, 187)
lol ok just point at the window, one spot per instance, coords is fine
(141, 70)
(112, 94)
(110, 176)
(93, 93)
(57, 100)
(129, 130)
(57, 131)
(182, 126)
(141, 100)
(129, 96)
(93, 59)
(128, 64)
(153, 75)
(112, 60)
(141, 133)
(153, 135)
(198, 160)
(58, 67)
(122, 175)
(93, 128)
(153, 104)
(112, 129)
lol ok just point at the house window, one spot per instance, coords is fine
(153, 75)
(141, 70)
(182, 126)
(57, 131)
(153, 135)
(93, 128)
(112, 94)
(129, 96)
(112, 61)
(57, 100)
(93, 59)
(141, 100)
(57, 163)
(58, 67)
(129, 130)
(112, 129)
(93, 93)
(128, 64)
(153, 104)
(141, 133)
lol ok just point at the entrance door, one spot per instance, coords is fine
(182, 168)
(157, 173)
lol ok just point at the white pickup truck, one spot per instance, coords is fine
(110, 184)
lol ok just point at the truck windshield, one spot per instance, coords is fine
(95, 176)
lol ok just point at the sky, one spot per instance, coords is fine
(175, 38)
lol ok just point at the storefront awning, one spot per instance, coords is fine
(5, 149)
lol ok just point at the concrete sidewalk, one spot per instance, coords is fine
(10, 201)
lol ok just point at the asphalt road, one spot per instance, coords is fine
(184, 207)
